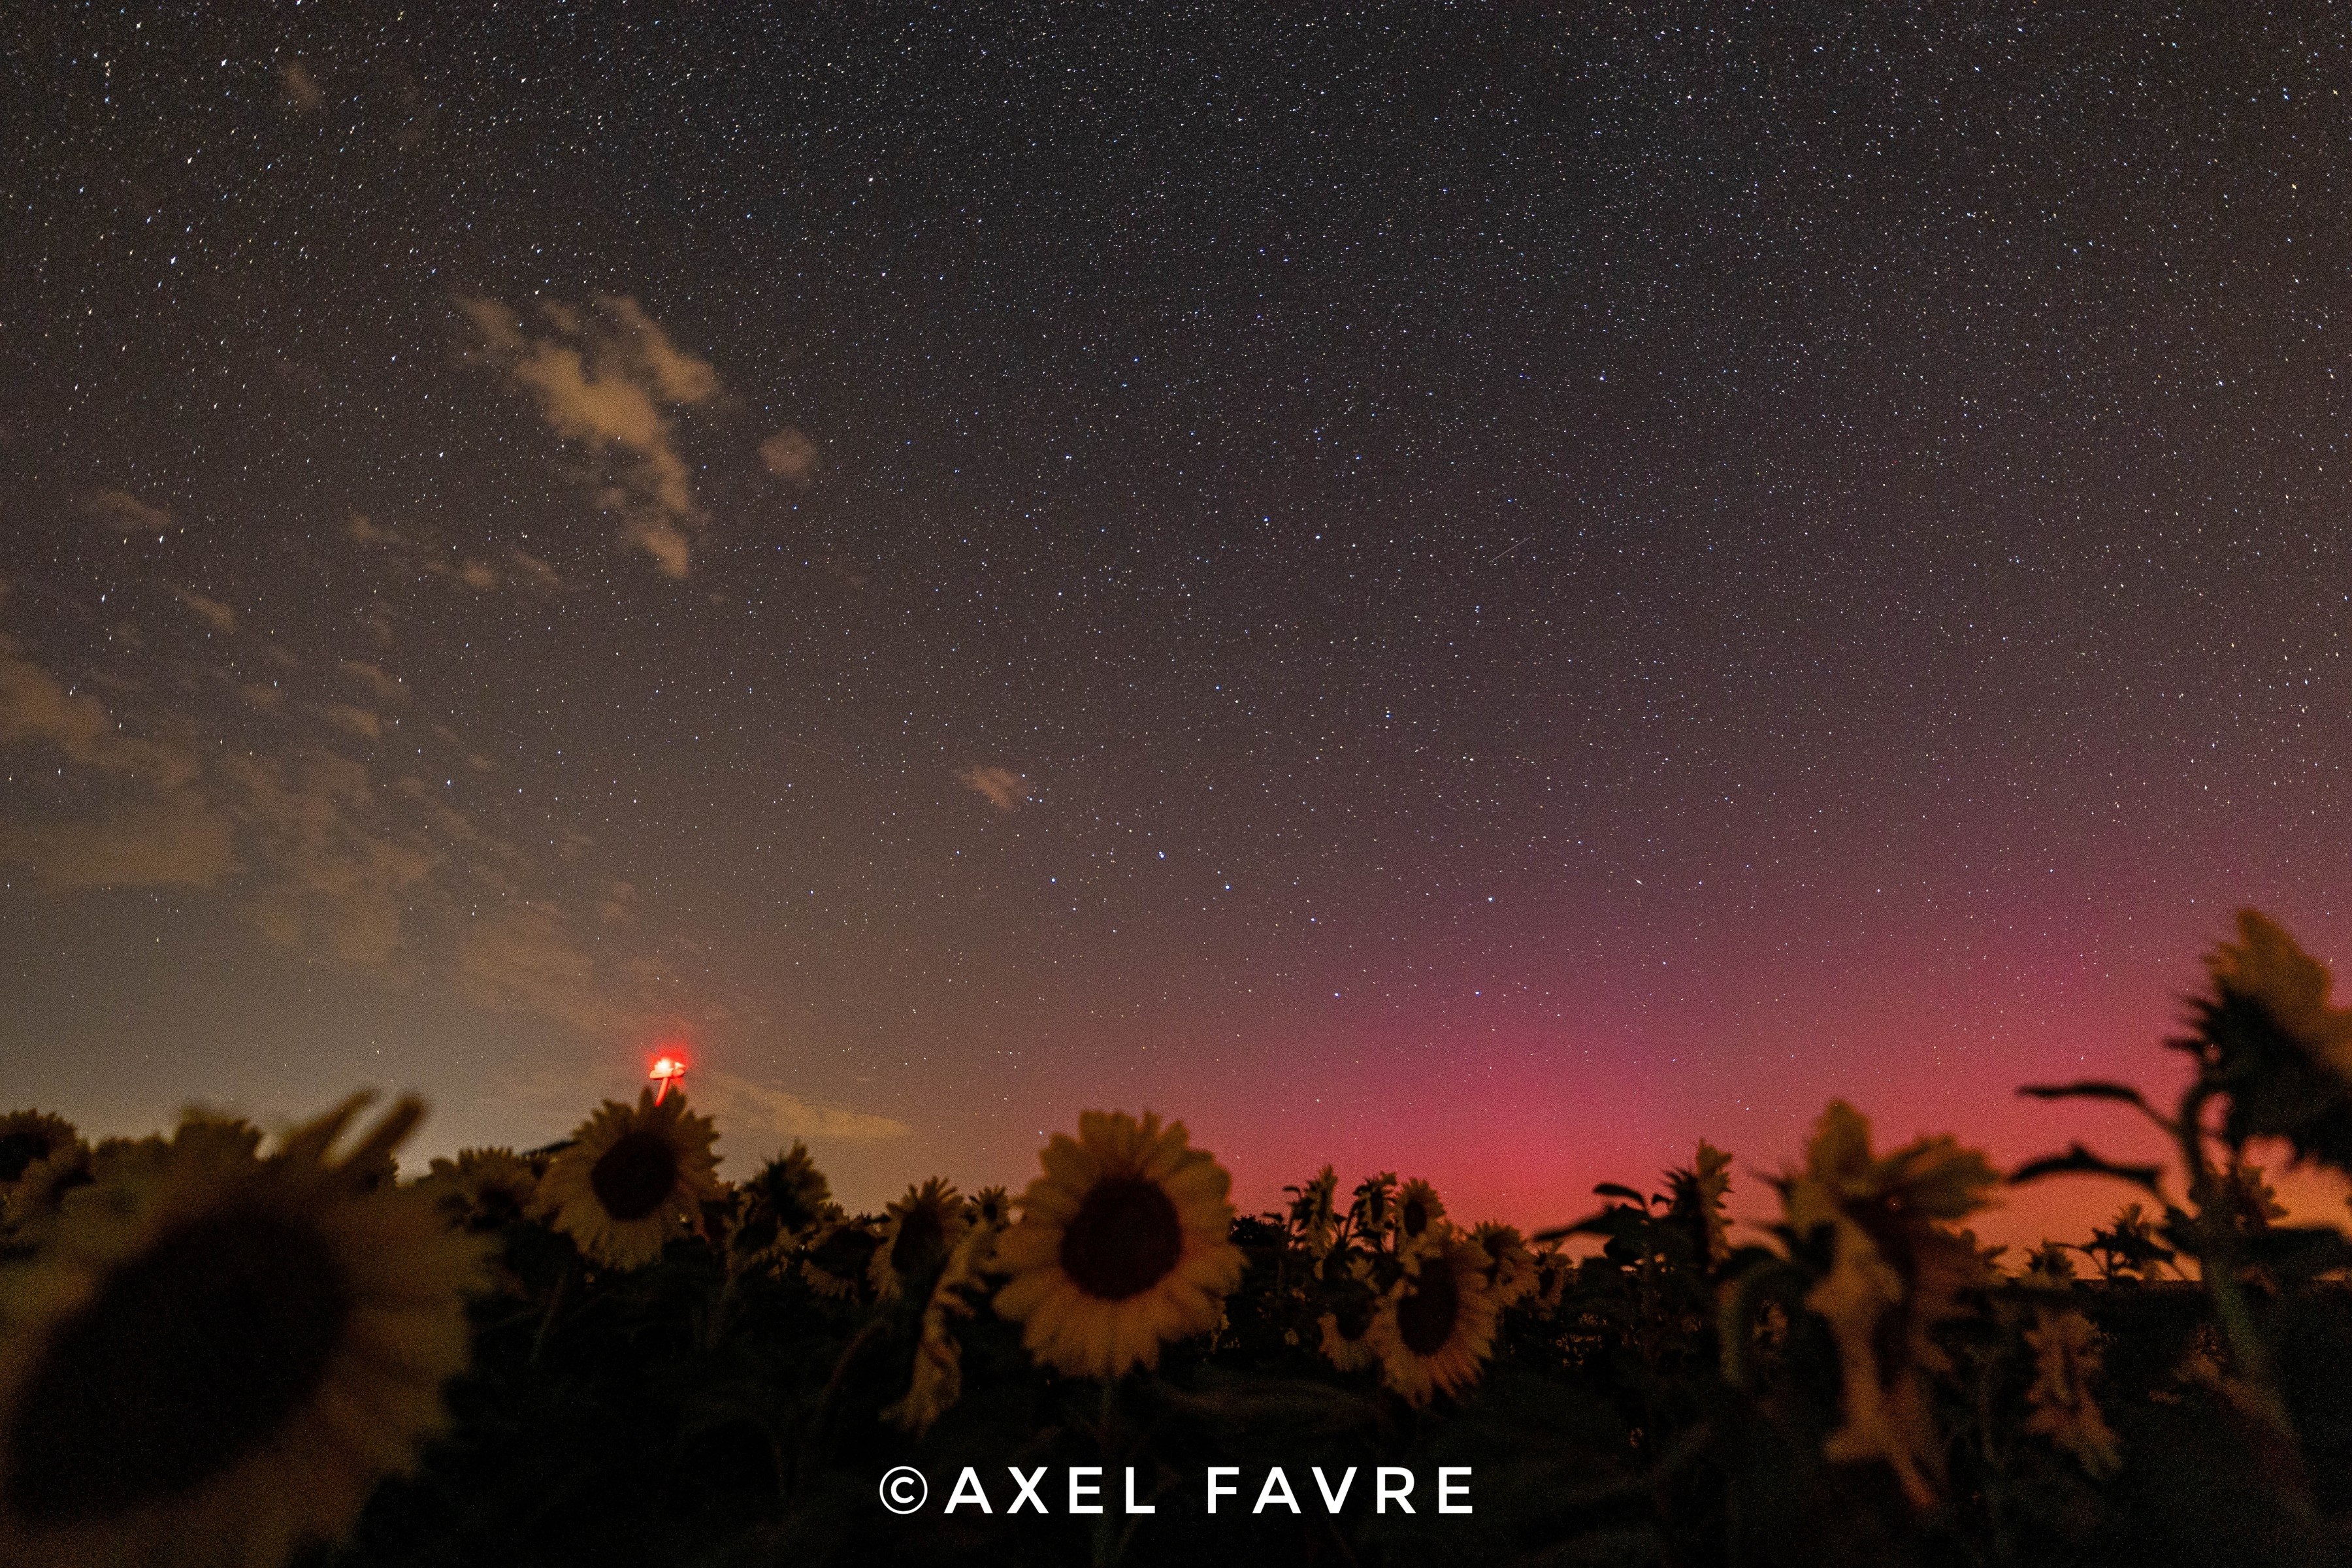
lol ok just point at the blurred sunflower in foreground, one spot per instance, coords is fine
(41, 1158)
(1123, 1244)
(29, 1138)
(2066, 1357)
(2269, 1038)
(214, 1356)
(633, 1178)
(1896, 1269)
(1436, 1324)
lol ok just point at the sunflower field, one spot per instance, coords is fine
(220, 1351)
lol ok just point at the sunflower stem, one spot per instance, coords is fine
(2218, 1249)
(718, 1309)
(1110, 1540)
(547, 1319)
(818, 1418)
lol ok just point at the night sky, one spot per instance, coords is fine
(1482, 592)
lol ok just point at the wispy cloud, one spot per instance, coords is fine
(36, 708)
(367, 865)
(789, 455)
(303, 89)
(169, 843)
(364, 861)
(385, 688)
(121, 513)
(433, 558)
(359, 721)
(607, 378)
(524, 957)
(737, 1101)
(1000, 787)
(212, 611)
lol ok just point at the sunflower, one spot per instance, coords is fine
(1314, 1217)
(1436, 1323)
(1345, 1350)
(1552, 1270)
(41, 1158)
(990, 1206)
(919, 1231)
(1373, 1208)
(1896, 1269)
(2066, 1357)
(2269, 1038)
(1418, 1208)
(791, 1189)
(839, 1255)
(632, 1179)
(29, 1138)
(2266, 966)
(1510, 1268)
(1124, 1243)
(938, 1379)
(484, 1186)
(216, 1356)
(1696, 1203)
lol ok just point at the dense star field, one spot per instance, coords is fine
(1481, 592)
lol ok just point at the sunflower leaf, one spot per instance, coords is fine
(1591, 1224)
(2087, 1089)
(2079, 1160)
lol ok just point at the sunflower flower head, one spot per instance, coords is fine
(2050, 1266)
(633, 1178)
(1896, 1269)
(2066, 1357)
(29, 1138)
(1372, 1209)
(1695, 1199)
(2128, 1245)
(481, 1188)
(1343, 1339)
(1313, 1212)
(1510, 1267)
(791, 1190)
(2269, 1038)
(1436, 1324)
(1553, 1270)
(838, 1255)
(919, 1232)
(41, 1159)
(989, 1206)
(938, 1377)
(217, 1355)
(1351, 1299)
(1418, 1208)
(1124, 1244)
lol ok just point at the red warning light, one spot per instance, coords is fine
(667, 1070)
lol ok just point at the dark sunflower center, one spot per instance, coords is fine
(634, 1175)
(18, 1151)
(1416, 1216)
(1124, 1239)
(190, 1357)
(920, 1240)
(795, 1203)
(1425, 1316)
